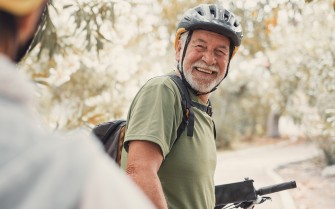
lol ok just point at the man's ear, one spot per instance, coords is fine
(179, 51)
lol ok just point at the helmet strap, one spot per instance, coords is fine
(187, 41)
(181, 67)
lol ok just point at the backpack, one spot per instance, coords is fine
(111, 134)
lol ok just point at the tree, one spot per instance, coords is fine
(308, 70)
(81, 55)
(291, 78)
(92, 56)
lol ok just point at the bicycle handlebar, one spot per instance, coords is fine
(243, 194)
(276, 188)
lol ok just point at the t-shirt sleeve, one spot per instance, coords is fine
(155, 115)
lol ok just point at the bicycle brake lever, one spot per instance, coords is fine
(260, 199)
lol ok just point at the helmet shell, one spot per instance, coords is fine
(214, 18)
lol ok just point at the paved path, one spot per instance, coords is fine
(258, 164)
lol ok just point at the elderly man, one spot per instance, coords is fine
(179, 174)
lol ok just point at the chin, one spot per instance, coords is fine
(201, 87)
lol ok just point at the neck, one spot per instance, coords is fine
(204, 98)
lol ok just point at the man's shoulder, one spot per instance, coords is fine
(163, 81)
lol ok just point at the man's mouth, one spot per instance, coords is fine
(204, 70)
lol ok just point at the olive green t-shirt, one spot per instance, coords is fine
(187, 172)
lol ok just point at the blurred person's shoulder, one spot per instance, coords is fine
(50, 169)
(105, 185)
(108, 186)
(14, 85)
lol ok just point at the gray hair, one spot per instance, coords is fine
(182, 38)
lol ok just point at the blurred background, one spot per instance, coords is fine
(91, 57)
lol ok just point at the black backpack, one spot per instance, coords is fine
(112, 133)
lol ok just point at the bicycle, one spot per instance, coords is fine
(244, 195)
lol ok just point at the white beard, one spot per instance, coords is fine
(202, 85)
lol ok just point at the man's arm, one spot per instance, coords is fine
(144, 161)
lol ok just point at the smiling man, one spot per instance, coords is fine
(179, 173)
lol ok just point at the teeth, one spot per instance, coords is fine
(204, 70)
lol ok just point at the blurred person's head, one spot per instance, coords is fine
(18, 23)
(207, 38)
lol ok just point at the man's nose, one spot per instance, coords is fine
(209, 58)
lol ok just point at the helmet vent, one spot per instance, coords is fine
(199, 11)
(212, 10)
(226, 15)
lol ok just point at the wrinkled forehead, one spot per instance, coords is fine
(210, 37)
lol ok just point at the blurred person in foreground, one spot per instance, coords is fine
(40, 170)
(180, 174)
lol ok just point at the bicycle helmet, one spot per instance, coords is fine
(19, 7)
(211, 17)
(214, 18)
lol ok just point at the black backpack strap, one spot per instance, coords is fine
(111, 129)
(187, 104)
(204, 108)
(188, 114)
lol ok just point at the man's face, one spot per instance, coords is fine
(206, 59)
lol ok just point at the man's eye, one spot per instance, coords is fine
(221, 53)
(200, 46)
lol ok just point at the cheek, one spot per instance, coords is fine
(186, 62)
(223, 67)
(192, 57)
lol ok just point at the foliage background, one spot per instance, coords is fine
(91, 57)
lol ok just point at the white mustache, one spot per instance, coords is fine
(202, 64)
